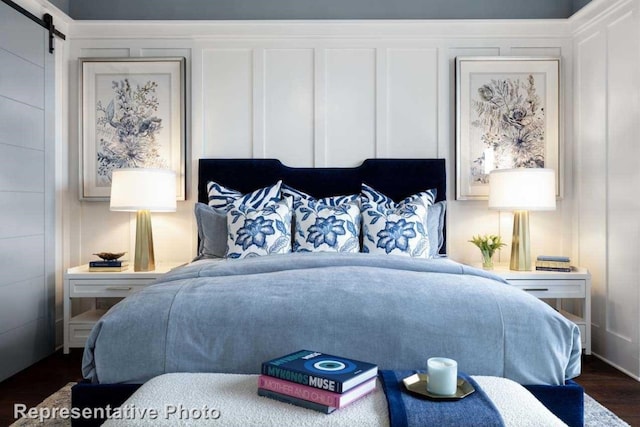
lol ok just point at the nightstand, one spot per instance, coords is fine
(79, 282)
(558, 286)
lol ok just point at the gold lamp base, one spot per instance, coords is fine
(144, 258)
(520, 252)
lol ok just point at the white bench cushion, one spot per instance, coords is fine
(236, 399)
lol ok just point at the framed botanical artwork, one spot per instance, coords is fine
(133, 116)
(507, 116)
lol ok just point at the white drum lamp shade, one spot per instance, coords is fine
(522, 190)
(143, 190)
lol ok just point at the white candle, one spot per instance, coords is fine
(443, 376)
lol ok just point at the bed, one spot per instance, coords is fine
(228, 316)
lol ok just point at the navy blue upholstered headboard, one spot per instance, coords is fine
(397, 178)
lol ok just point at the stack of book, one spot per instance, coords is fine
(316, 381)
(553, 263)
(110, 265)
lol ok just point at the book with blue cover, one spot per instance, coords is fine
(323, 371)
(108, 263)
(554, 258)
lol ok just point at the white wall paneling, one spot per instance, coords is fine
(623, 206)
(318, 94)
(289, 105)
(607, 97)
(227, 102)
(411, 103)
(350, 106)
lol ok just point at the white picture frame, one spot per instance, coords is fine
(132, 115)
(507, 115)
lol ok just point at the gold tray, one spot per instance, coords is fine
(417, 384)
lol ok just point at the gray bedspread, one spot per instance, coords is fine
(230, 316)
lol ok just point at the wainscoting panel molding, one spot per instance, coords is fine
(607, 98)
(228, 103)
(318, 94)
(289, 105)
(350, 106)
(412, 103)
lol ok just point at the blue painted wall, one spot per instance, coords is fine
(319, 9)
(579, 4)
(63, 5)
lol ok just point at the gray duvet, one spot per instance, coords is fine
(230, 316)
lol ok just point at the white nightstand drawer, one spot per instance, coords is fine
(106, 288)
(552, 288)
(78, 334)
(80, 326)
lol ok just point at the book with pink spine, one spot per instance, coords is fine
(313, 394)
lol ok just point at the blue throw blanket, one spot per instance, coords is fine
(406, 410)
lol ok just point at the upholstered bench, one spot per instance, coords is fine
(232, 400)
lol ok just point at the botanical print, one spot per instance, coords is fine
(326, 230)
(507, 124)
(128, 127)
(396, 235)
(320, 227)
(399, 230)
(256, 232)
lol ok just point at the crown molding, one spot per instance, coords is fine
(595, 12)
(321, 29)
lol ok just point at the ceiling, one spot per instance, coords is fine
(317, 9)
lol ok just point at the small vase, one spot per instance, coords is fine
(487, 262)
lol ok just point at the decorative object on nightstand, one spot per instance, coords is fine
(109, 261)
(109, 256)
(522, 190)
(488, 245)
(143, 190)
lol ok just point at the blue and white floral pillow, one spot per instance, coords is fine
(223, 199)
(256, 232)
(323, 228)
(396, 228)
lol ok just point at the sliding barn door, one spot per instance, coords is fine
(26, 193)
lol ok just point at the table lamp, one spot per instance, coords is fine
(143, 190)
(522, 190)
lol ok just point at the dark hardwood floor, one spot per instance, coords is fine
(610, 387)
(32, 385)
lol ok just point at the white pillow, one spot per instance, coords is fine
(256, 232)
(323, 228)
